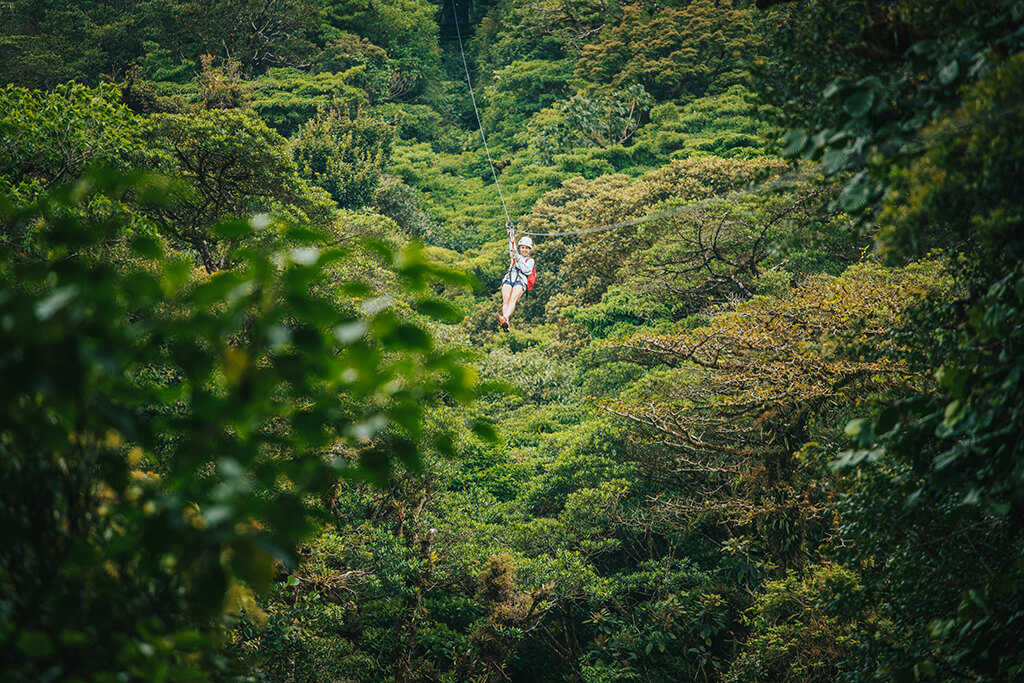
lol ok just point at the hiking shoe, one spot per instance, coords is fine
(503, 323)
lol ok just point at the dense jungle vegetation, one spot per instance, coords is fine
(258, 423)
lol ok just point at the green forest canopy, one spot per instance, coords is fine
(259, 422)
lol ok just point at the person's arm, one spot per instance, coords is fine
(524, 264)
(511, 240)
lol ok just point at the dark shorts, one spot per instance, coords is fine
(513, 284)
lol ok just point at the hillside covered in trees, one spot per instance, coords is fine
(760, 419)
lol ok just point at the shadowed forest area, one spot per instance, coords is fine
(760, 418)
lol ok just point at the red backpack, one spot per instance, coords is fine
(531, 278)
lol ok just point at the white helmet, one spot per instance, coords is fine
(526, 240)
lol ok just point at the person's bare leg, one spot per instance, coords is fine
(513, 298)
(506, 293)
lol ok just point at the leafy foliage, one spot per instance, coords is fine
(613, 199)
(793, 637)
(220, 87)
(520, 90)
(287, 98)
(163, 430)
(720, 125)
(204, 457)
(691, 51)
(405, 29)
(953, 456)
(599, 120)
(344, 154)
(257, 34)
(864, 80)
(50, 138)
(742, 394)
(230, 164)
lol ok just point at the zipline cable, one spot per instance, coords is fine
(995, 115)
(610, 226)
(494, 173)
(469, 83)
(686, 208)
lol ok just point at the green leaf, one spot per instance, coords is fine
(57, 300)
(305, 235)
(439, 309)
(409, 337)
(374, 465)
(818, 142)
(175, 275)
(308, 426)
(954, 413)
(856, 195)
(70, 637)
(794, 142)
(154, 190)
(35, 644)
(407, 454)
(380, 248)
(357, 289)
(998, 509)
(835, 87)
(190, 640)
(925, 669)
(253, 564)
(834, 161)
(451, 276)
(304, 256)
(949, 72)
(444, 443)
(859, 430)
(858, 103)
(232, 229)
(484, 430)
(346, 333)
(944, 460)
(146, 246)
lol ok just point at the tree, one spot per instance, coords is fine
(742, 395)
(345, 154)
(794, 636)
(518, 91)
(722, 125)
(953, 456)
(345, 52)
(50, 138)
(287, 98)
(164, 431)
(612, 199)
(229, 164)
(688, 52)
(258, 34)
(862, 80)
(597, 119)
(932, 146)
(406, 30)
(753, 242)
(550, 31)
(54, 41)
(221, 87)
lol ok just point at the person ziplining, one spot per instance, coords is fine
(520, 275)
(521, 272)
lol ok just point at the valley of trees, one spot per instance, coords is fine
(761, 418)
